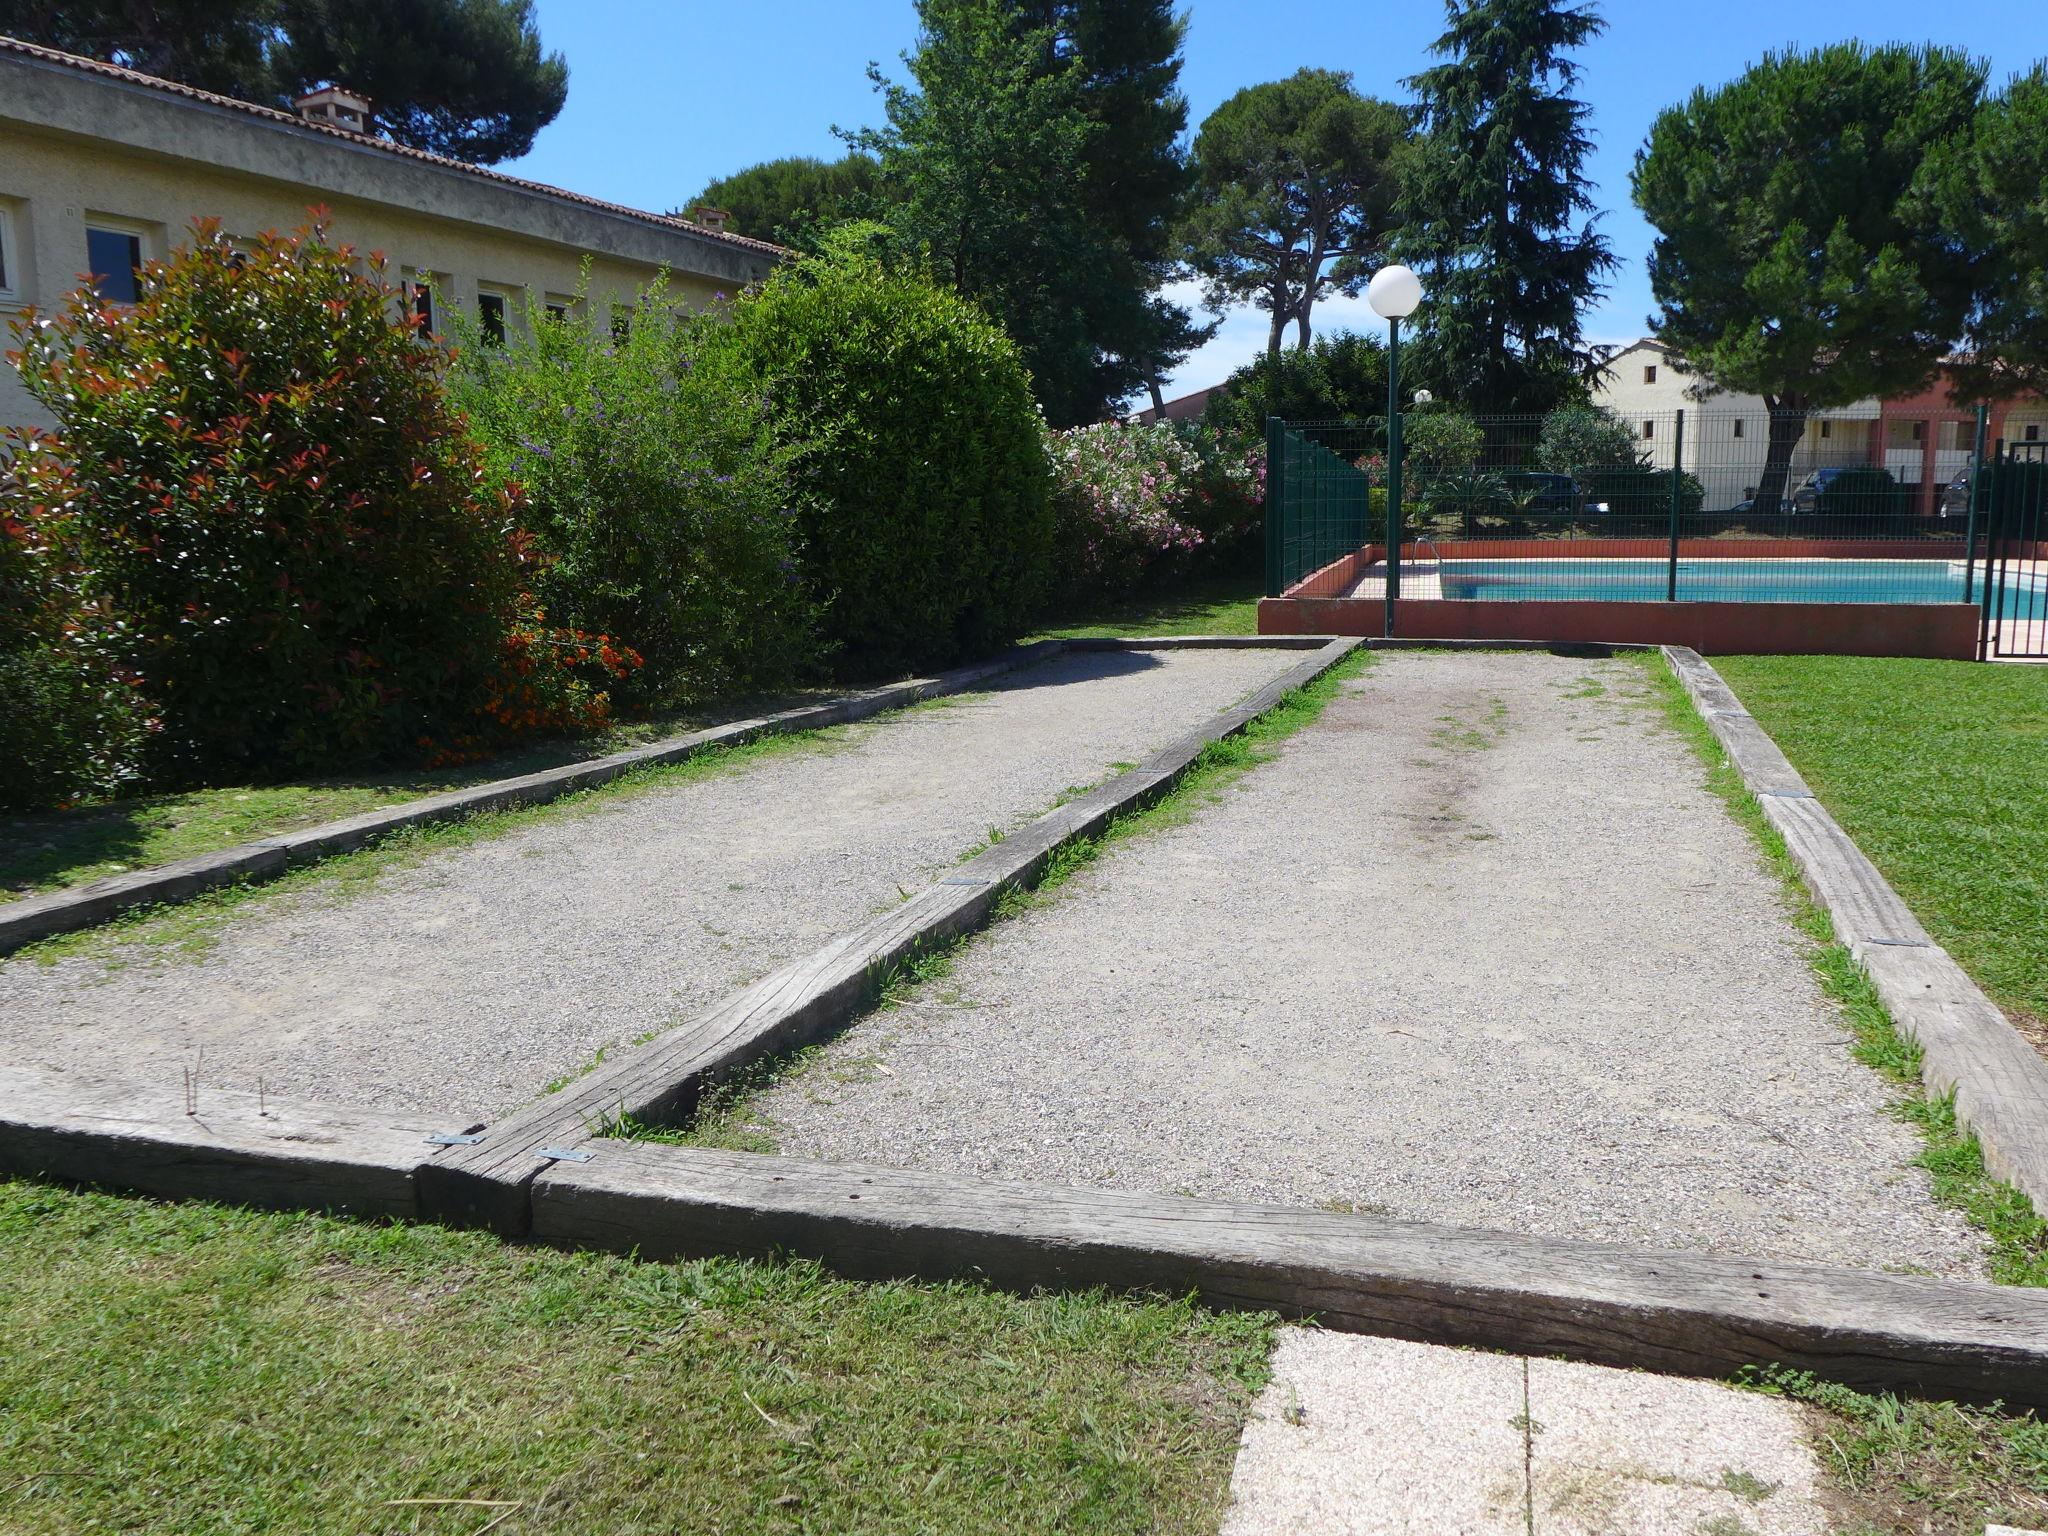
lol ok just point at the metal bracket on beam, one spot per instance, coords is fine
(455, 1138)
(562, 1155)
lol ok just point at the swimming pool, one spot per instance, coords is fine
(1733, 581)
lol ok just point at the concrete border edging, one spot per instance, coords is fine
(33, 918)
(1970, 1048)
(661, 1079)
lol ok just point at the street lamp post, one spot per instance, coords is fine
(1393, 294)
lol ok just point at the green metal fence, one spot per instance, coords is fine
(1644, 506)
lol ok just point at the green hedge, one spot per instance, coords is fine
(926, 510)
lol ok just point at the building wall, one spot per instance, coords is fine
(152, 162)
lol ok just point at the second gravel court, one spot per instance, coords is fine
(1478, 946)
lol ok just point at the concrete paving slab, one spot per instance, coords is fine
(1621, 1453)
(1479, 947)
(471, 978)
(1359, 1436)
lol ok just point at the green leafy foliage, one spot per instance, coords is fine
(1819, 278)
(281, 531)
(1577, 439)
(1441, 442)
(983, 159)
(1990, 189)
(1293, 195)
(655, 488)
(797, 199)
(465, 78)
(1335, 378)
(1638, 495)
(927, 519)
(1497, 212)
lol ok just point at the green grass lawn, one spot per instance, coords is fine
(198, 1369)
(1939, 770)
(1215, 605)
(70, 847)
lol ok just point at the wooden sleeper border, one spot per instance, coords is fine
(546, 1174)
(34, 918)
(2000, 1082)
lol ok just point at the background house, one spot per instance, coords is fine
(102, 168)
(1925, 439)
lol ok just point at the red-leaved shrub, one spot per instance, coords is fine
(283, 525)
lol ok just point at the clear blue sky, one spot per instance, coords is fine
(663, 96)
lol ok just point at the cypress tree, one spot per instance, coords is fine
(1498, 214)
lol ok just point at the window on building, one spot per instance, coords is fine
(1827, 429)
(6, 252)
(114, 257)
(1738, 426)
(2033, 434)
(557, 311)
(622, 324)
(1650, 374)
(1649, 430)
(490, 314)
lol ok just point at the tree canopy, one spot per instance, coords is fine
(1294, 184)
(795, 200)
(1989, 190)
(1819, 277)
(1497, 214)
(993, 175)
(465, 78)
(1342, 377)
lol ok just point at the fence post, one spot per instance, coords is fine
(1276, 503)
(1976, 490)
(1986, 615)
(1677, 480)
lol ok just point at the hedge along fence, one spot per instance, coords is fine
(261, 528)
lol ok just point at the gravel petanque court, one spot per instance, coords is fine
(466, 980)
(1478, 947)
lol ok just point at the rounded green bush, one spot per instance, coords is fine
(926, 506)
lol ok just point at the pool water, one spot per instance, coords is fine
(1735, 581)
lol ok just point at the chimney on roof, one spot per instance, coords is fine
(707, 217)
(336, 106)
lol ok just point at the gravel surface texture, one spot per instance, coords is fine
(1478, 947)
(469, 978)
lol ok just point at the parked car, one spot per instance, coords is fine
(1806, 495)
(1539, 494)
(1955, 496)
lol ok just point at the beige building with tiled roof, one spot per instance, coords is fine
(102, 168)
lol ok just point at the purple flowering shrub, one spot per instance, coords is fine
(1138, 503)
(654, 486)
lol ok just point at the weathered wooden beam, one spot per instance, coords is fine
(209, 1143)
(40, 917)
(1675, 1312)
(1970, 1048)
(661, 1080)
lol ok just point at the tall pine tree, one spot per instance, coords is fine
(1497, 213)
(1127, 56)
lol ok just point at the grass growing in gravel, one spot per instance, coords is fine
(1950, 1154)
(185, 1369)
(191, 927)
(1939, 770)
